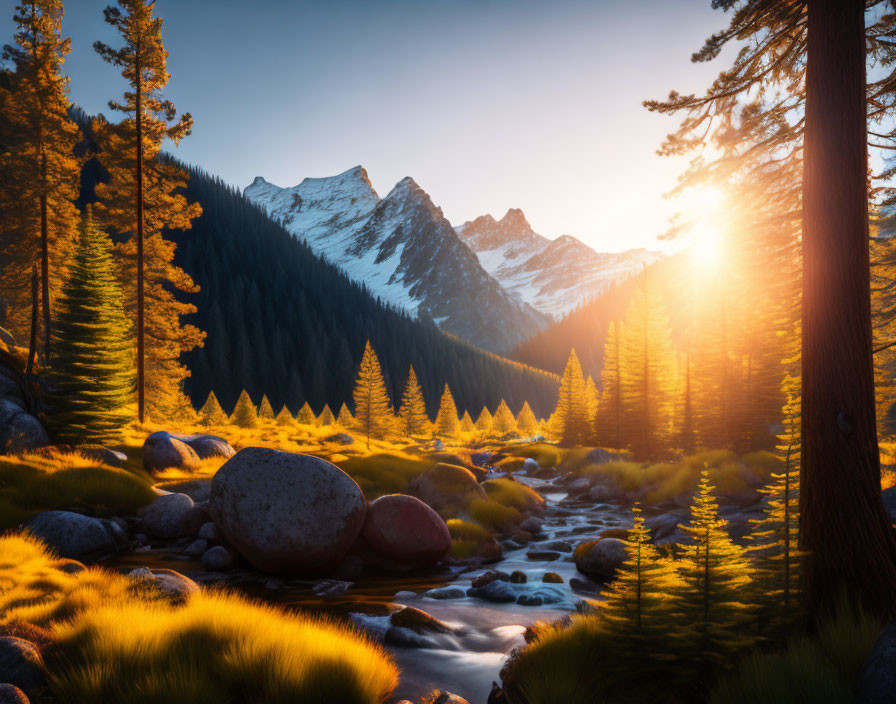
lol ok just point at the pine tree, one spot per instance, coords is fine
(466, 423)
(265, 410)
(687, 430)
(345, 419)
(484, 422)
(326, 416)
(609, 409)
(647, 378)
(373, 411)
(92, 369)
(715, 595)
(244, 412)
(40, 175)
(592, 401)
(572, 409)
(525, 421)
(211, 412)
(412, 414)
(306, 416)
(284, 418)
(503, 422)
(142, 197)
(639, 605)
(446, 421)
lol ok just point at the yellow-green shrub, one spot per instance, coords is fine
(383, 473)
(511, 493)
(493, 514)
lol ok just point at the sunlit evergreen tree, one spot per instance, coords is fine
(484, 421)
(503, 422)
(38, 170)
(284, 418)
(265, 410)
(93, 364)
(647, 379)
(466, 423)
(373, 411)
(345, 419)
(142, 197)
(447, 424)
(571, 414)
(326, 416)
(412, 414)
(609, 408)
(244, 414)
(715, 596)
(306, 416)
(211, 412)
(592, 401)
(526, 422)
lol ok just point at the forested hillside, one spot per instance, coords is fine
(281, 321)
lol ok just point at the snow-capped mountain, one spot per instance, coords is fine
(404, 251)
(553, 276)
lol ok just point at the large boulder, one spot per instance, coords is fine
(406, 530)
(877, 680)
(75, 536)
(172, 516)
(206, 446)
(286, 512)
(447, 486)
(162, 450)
(600, 558)
(10, 694)
(20, 664)
(19, 430)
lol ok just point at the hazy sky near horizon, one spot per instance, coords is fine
(487, 104)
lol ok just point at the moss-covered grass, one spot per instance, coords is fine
(384, 473)
(34, 483)
(493, 514)
(113, 641)
(545, 454)
(514, 494)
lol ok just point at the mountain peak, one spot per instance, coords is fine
(515, 219)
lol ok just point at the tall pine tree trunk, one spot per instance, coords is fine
(843, 523)
(141, 351)
(45, 272)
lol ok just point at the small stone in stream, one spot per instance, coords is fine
(531, 525)
(417, 620)
(518, 577)
(557, 545)
(552, 578)
(217, 559)
(446, 593)
(543, 555)
(579, 485)
(196, 548)
(331, 587)
(584, 585)
(498, 591)
(480, 459)
(489, 577)
(69, 566)
(10, 694)
(20, 663)
(441, 697)
(170, 584)
(529, 600)
(530, 466)
(407, 638)
(209, 532)
(522, 537)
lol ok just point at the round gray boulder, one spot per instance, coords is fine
(217, 559)
(10, 694)
(73, 535)
(20, 664)
(170, 584)
(172, 516)
(162, 450)
(600, 558)
(286, 512)
(206, 446)
(19, 430)
(406, 531)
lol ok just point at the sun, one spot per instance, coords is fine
(702, 207)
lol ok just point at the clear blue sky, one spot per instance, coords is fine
(488, 104)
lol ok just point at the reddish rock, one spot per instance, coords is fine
(405, 529)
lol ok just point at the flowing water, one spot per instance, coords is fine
(467, 659)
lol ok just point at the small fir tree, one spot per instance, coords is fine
(572, 410)
(412, 416)
(326, 416)
(265, 410)
(211, 412)
(638, 606)
(609, 407)
(715, 597)
(306, 416)
(484, 421)
(284, 418)
(466, 423)
(525, 421)
(345, 419)
(503, 421)
(592, 400)
(93, 365)
(244, 414)
(446, 421)
(373, 411)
